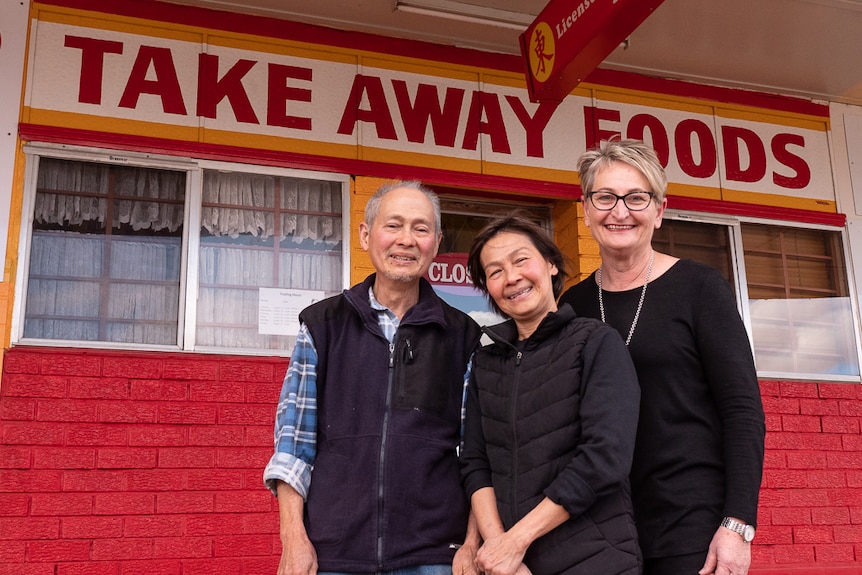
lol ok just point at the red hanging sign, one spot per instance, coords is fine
(570, 38)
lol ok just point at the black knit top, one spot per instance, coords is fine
(699, 449)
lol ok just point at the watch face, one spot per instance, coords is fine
(748, 533)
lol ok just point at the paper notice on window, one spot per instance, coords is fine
(278, 309)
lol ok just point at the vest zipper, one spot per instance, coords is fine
(381, 464)
(515, 474)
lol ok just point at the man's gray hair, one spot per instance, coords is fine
(372, 208)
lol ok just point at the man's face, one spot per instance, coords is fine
(402, 241)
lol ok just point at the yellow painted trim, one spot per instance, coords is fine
(690, 191)
(758, 199)
(113, 23)
(419, 160)
(279, 144)
(422, 68)
(651, 100)
(499, 79)
(15, 208)
(266, 45)
(10, 267)
(110, 125)
(188, 133)
(709, 107)
(781, 119)
(530, 173)
(262, 44)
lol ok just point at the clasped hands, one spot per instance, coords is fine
(501, 554)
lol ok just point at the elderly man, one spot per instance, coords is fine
(368, 424)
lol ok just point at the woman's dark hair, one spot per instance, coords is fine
(517, 221)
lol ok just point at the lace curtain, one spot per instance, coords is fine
(68, 283)
(235, 204)
(71, 193)
(87, 283)
(266, 231)
(106, 252)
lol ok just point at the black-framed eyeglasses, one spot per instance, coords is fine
(634, 201)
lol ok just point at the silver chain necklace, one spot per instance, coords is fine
(640, 303)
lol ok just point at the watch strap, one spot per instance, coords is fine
(737, 527)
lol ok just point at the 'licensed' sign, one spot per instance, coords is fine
(569, 39)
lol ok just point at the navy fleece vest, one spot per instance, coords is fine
(385, 491)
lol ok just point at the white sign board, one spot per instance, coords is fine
(278, 309)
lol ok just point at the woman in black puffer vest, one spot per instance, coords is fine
(551, 418)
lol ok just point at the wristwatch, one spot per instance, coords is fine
(745, 531)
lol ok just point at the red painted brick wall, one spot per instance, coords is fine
(121, 463)
(810, 517)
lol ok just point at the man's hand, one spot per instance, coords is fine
(298, 556)
(464, 562)
(728, 554)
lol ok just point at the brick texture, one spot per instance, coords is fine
(809, 499)
(124, 463)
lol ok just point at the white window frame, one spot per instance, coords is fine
(734, 226)
(188, 286)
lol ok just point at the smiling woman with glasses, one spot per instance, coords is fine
(698, 458)
(635, 201)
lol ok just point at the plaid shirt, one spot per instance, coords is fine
(296, 415)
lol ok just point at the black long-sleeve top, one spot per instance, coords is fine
(699, 449)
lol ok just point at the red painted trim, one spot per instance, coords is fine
(756, 211)
(288, 30)
(461, 180)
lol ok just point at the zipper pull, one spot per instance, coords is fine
(518, 358)
(391, 354)
(409, 349)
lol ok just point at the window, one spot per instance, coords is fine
(796, 301)
(703, 242)
(262, 231)
(105, 253)
(798, 297)
(463, 218)
(154, 253)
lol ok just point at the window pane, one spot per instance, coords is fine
(463, 218)
(801, 313)
(263, 231)
(105, 253)
(698, 241)
(459, 231)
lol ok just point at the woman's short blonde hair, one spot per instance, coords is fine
(635, 153)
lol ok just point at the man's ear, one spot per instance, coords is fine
(363, 235)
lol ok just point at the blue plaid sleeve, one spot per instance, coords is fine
(296, 420)
(464, 393)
